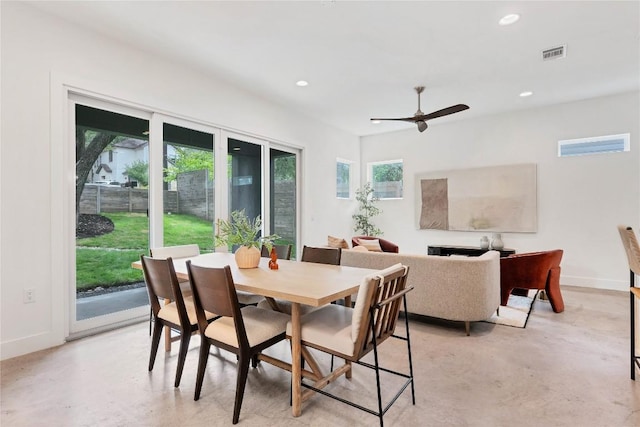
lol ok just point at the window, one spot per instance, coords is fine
(386, 179)
(343, 179)
(594, 145)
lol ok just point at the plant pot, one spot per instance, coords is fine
(247, 257)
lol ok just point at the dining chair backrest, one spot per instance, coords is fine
(380, 296)
(180, 251)
(283, 251)
(160, 278)
(329, 256)
(631, 247)
(214, 291)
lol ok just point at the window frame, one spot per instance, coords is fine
(371, 165)
(350, 164)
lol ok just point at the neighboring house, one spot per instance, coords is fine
(112, 164)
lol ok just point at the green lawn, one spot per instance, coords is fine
(106, 260)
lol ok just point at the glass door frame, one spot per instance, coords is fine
(156, 199)
(265, 146)
(79, 328)
(298, 153)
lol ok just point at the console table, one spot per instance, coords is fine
(444, 250)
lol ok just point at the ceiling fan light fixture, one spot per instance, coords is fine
(420, 119)
(512, 18)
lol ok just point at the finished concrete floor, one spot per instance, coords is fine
(569, 369)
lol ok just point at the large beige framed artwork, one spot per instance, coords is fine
(495, 198)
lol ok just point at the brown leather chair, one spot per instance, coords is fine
(533, 270)
(385, 245)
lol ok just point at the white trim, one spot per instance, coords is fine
(62, 161)
(595, 283)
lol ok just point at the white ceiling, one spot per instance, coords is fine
(362, 59)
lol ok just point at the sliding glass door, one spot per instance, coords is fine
(146, 180)
(263, 181)
(111, 206)
(188, 184)
(283, 196)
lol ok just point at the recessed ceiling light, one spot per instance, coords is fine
(375, 122)
(302, 83)
(526, 93)
(509, 19)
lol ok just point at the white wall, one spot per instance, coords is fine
(38, 53)
(581, 200)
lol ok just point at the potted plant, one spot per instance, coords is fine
(243, 233)
(366, 211)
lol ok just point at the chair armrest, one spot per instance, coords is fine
(393, 298)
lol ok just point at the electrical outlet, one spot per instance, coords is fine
(29, 296)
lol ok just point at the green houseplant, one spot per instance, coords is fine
(243, 233)
(366, 210)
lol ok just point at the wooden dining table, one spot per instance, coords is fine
(297, 282)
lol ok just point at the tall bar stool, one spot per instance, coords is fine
(631, 247)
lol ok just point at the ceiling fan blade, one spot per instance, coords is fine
(401, 119)
(444, 112)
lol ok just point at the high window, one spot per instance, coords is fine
(386, 178)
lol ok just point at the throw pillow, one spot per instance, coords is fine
(335, 242)
(371, 244)
(360, 249)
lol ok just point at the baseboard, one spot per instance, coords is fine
(596, 283)
(22, 346)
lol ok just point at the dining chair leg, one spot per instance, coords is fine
(185, 336)
(155, 342)
(632, 312)
(150, 319)
(243, 370)
(406, 325)
(202, 365)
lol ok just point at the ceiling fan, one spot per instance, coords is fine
(420, 118)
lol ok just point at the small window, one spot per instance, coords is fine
(594, 145)
(343, 179)
(386, 179)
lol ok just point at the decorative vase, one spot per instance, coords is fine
(496, 242)
(247, 257)
(484, 242)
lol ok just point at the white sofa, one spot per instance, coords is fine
(457, 288)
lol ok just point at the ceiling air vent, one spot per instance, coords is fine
(554, 53)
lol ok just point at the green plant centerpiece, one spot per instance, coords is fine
(366, 210)
(243, 233)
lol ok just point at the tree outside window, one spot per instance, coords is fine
(343, 179)
(386, 179)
